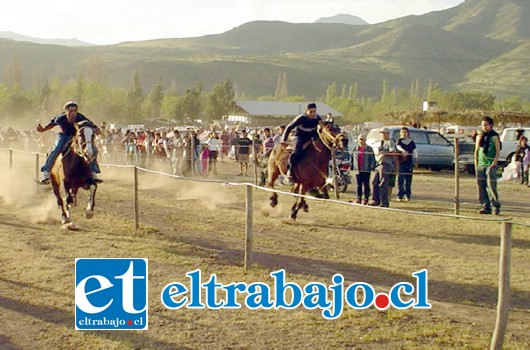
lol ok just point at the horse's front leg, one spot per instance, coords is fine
(297, 205)
(89, 212)
(294, 210)
(65, 218)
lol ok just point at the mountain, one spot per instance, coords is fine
(343, 19)
(63, 42)
(480, 45)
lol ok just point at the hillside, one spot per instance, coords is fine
(478, 45)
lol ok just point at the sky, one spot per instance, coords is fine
(112, 21)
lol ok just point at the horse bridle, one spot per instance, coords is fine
(80, 146)
(324, 134)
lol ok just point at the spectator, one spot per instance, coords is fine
(363, 164)
(409, 154)
(225, 144)
(243, 150)
(214, 148)
(178, 152)
(268, 142)
(384, 170)
(487, 152)
(205, 157)
(234, 144)
(520, 153)
(278, 137)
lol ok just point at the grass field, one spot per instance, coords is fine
(186, 225)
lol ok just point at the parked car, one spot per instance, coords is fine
(509, 143)
(434, 150)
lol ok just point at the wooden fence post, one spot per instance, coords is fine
(503, 304)
(335, 172)
(457, 178)
(248, 228)
(37, 172)
(10, 158)
(136, 209)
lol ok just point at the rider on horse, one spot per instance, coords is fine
(306, 130)
(66, 121)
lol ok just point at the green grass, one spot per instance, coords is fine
(185, 226)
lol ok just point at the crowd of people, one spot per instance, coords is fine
(185, 152)
(197, 151)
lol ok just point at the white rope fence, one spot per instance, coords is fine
(503, 305)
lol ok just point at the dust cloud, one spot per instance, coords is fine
(18, 190)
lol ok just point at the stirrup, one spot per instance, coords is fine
(45, 181)
(96, 178)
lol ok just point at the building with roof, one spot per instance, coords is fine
(273, 113)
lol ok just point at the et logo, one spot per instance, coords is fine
(111, 294)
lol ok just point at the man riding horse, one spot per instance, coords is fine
(315, 142)
(306, 130)
(67, 121)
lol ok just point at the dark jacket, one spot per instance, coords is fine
(306, 127)
(66, 127)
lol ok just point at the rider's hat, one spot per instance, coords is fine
(70, 104)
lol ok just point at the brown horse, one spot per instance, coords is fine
(311, 171)
(72, 171)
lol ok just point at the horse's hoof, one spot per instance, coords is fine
(89, 214)
(274, 202)
(292, 217)
(306, 209)
(70, 226)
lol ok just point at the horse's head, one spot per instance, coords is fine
(84, 143)
(331, 136)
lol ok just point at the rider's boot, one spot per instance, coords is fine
(96, 178)
(45, 180)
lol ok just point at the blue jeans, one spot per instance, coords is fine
(487, 187)
(405, 180)
(61, 141)
(297, 151)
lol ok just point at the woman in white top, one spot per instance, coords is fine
(214, 147)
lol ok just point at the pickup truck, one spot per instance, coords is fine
(509, 143)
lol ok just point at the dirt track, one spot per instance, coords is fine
(186, 226)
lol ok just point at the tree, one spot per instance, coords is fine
(135, 97)
(44, 95)
(220, 100)
(154, 105)
(281, 87)
(190, 104)
(79, 90)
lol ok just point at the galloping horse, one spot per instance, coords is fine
(311, 171)
(72, 171)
